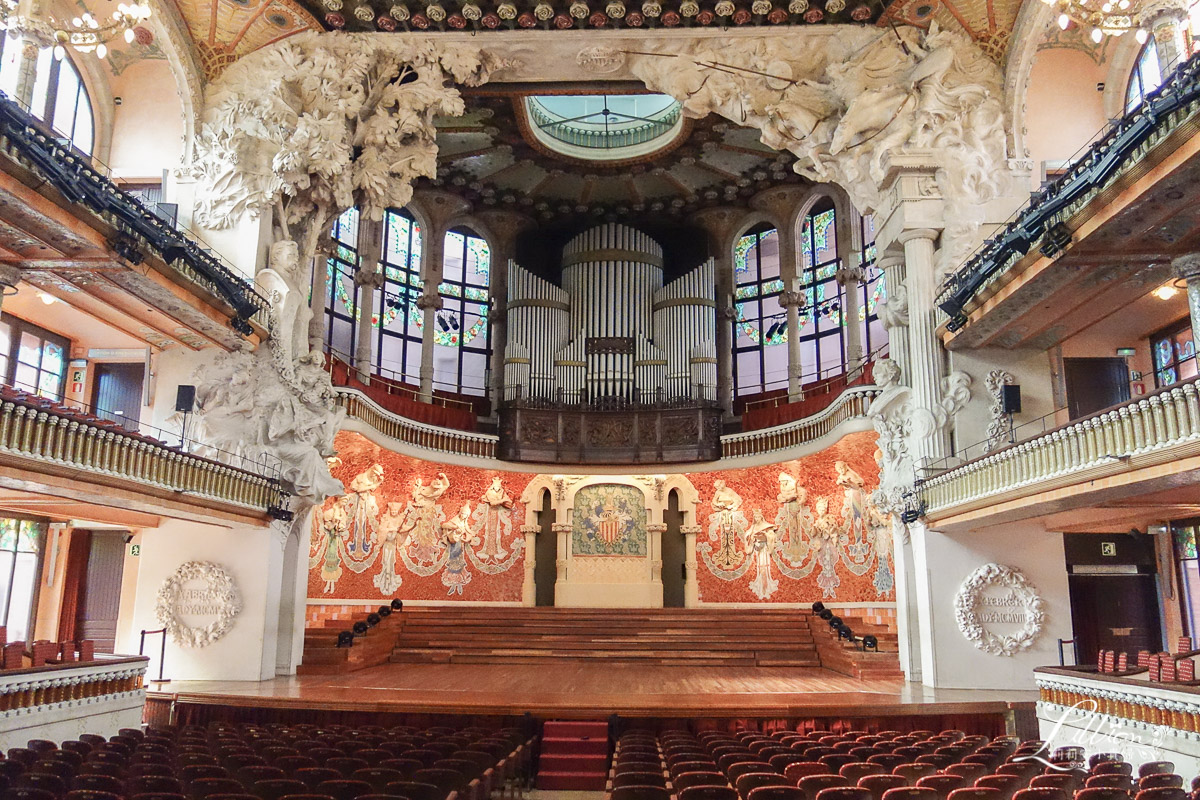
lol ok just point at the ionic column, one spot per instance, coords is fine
(429, 303)
(924, 349)
(1187, 268)
(691, 582)
(850, 279)
(721, 225)
(26, 70)
(654, 532)
(893, 312)
(503, 229)
(10, 276)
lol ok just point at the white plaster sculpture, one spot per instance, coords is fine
(997, 430)
(1022, 603)
(220, 598)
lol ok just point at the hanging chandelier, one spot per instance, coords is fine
(85, 33)
(1101, 17)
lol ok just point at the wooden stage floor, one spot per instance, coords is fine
(592, 690)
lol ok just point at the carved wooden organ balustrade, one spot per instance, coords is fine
(613, 366)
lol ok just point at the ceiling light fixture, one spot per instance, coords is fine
(1100, 17)
(1165, 292)
(85, 33)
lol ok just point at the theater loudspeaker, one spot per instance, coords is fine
(185, 398)
(1010, 398)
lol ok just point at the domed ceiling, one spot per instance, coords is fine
(492, 157)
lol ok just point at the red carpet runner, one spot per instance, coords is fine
(574, 756)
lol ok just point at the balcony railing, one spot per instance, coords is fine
(23, 138)
(1148, 431)
(54, 436)
(428, 437)
(1164, 112)
(851, 404)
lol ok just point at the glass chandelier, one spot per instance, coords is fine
(1102, 17)
(85, 33)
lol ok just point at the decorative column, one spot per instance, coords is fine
(850, 279)
(1187, 268)
(320, 288)
(1166, 21)
(691, 584)
(528, 588)
(924, 348)
(503, 229)
(792, 300)
(893, 312)
(435, 212)
(10, 276)
(367, 279)
(563, 531)
(654, 532)
(721, 224)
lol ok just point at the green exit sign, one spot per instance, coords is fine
(135, 549)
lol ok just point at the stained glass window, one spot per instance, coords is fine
(1183, 534)
(20, 565)
(341, 301)
(760, 364)
(399, 341)
(59, 97)
(1174, 352)
(1146, 76)
(461, 346)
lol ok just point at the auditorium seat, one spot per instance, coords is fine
(878, 784)
(638, 779)
(914, 772)
(797, 770)
(1157, 779)
(888, 761)
(343, 789)
(942, 783)
(416, 790)
(737, 770)
(1044, 793)
(976, 793)
(844, 793)
(776, 793)
(1161, 793)
(701, 793)
(1111, 780)
(1114, 768)
(158, 796)
(1155, 768)
(814, 784)
(642, 793)
(753, 780)
(686, 780)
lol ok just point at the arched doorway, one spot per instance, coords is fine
(545, 569)
(673, 554)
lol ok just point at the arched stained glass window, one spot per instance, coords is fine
(822, 352)
(399, 345)
(461, 341)
(59, 96)
(760, 361)
(1146, 76)
(341, 301)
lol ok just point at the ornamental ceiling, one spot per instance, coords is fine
(225, 30)
(489, 157)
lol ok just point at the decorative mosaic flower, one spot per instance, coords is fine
(474, 13)
(332, 5)
(385, 23)
(562, 22)
(335, 20)
(706, 17)
(505, 11)
(777, 16)
(615, 10)
(435, 12)
(689, 8)
(634, 19)
(798, 6)
(761, 7)
(724, 8)
(814, 15)
(364, 12)
(543, 11)
(651, 9)
(670, 19)
(598, 20)
(579, 10)
(741, 16)
(860, 13)
(456, 21)
(835, 6)
(400, 12)
(420, 21)
(526, 20)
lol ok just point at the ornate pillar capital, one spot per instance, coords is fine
(429, 300)
(9, 275)
(847, 275)
(890, 261)
(790, 299)
(371, 278)
(906, 236)
(1187, 266)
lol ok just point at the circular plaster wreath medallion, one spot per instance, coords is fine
(220, 598)
(1022, 598)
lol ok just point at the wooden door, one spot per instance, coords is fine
(101, 601)
(1115, 612)
(673, 555)
(1094, 384)
(545, 567)
(117, 393)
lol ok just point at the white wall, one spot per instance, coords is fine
(1030, 370)
(254, 558)
(942, 563)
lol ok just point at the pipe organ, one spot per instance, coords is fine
(613, 332)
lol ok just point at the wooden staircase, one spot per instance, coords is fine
(842, 656)
(673, 636)
(322, 656)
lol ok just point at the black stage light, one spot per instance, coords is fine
(373, 619)
(818, 607)
(360, 628)
(844, 632)
(825, 614)
(345, 639)
(397, 604)
(869, 642)
(384, 611)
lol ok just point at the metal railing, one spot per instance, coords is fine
(1148, 428)
(25, 139)
(47, 433)
(361, 407)
(817, 381)
(392, 382)
(852, 404)
(597, 138)
(1127, 141)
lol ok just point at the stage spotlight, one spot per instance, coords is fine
(384, 611)
(844, 632)
(397, 605)
(834, 622)
(373, 619)
(1056, 240)
(818, 607)
(360, 628)
(825, 614)
(869, 642)
(345, 639)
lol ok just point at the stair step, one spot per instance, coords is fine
(572, 781)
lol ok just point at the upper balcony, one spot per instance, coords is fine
(1096, 238)
(76, 235)
(1126, 466)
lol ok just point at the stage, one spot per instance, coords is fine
(593, 691)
